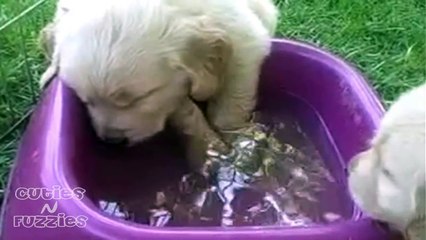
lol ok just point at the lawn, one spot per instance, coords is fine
(21, 64)
(384, 39)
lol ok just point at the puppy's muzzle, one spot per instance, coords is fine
(113, 136)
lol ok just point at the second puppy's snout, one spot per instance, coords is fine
(353, 163)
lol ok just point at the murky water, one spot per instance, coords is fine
(295, 189)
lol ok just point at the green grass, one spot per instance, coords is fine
(21, 64)
(385, 39)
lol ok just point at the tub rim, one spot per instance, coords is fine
(361, 85)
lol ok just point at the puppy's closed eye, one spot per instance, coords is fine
(125, 99)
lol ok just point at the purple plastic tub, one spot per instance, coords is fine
(59, 151)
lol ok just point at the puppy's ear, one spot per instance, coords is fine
(205, 56)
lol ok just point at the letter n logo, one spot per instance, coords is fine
(47, 207)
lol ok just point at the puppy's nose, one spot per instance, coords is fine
(116, 140)
(353, 163)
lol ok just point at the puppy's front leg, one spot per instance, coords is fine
(231, 109)
(190, 121)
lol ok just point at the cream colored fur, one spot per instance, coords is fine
(47, 36)
(138, 64)
(388, 180)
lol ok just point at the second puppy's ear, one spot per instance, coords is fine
(204, 57)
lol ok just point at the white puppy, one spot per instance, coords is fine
(138, 64)
(388, 180)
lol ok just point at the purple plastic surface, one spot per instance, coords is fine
(59, 149)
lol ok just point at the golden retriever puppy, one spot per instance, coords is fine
(139, 64)
(388, 180)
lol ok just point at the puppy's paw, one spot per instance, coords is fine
(243, 128)
(47, 76)
(191, 123)
(197, 150)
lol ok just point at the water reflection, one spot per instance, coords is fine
(261, 183)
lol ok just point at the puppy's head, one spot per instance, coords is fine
(388, 180)
(129, 108)
(132, 64)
